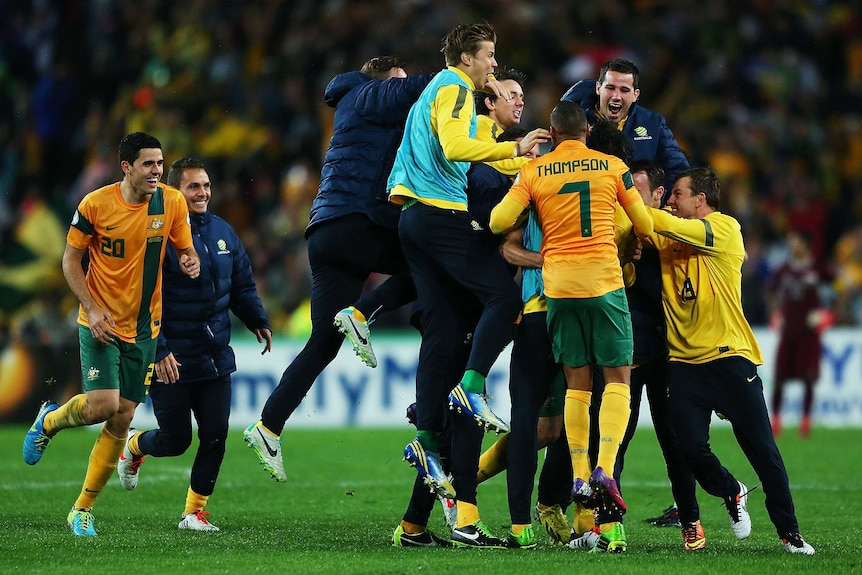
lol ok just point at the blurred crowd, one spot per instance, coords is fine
(767, 92)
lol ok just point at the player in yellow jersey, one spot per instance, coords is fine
(574, 191)
(124, 228)
(713, 353)
(495, 115)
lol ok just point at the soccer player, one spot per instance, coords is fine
(124, 228)
(444, 245)
(574, 191)
(486, 186)
(194, 360)
(714, 355)
(642, 274)
(351, 234)
(798, 309)
(614, 97)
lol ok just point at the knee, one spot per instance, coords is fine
(98, 411)
(175, 445)
(549, 430)
(213, 439)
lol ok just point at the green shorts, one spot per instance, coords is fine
(556, 401)
(591, 330)
(119, 365)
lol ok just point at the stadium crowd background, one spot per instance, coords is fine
(767, 92)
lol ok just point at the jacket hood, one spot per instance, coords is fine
(339, 86)
(583, 93)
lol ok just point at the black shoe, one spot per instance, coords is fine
(425, 539)
(668, 518)
(476, 535)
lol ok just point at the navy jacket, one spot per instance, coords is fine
(369, 124)
(195, 319)
(645, 306)
(486, 188)
(645, 129)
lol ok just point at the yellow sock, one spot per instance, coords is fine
(70, 414)
(194, 501)
(494, 460)
(613, 420)
(584, 519)
(605, 527)
(412, 528)
(517, 528)
(577, 418)
(134, 447)
(468, 513)
(103, 462)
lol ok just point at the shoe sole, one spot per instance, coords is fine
(363, 352)
(612, 497)
(40, 418)
(462, 545)
(249, 441)
(440, 489)
(462, 405)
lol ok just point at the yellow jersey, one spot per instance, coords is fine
(126, 245)
(487, 130)
(575, 191)
(701, 268)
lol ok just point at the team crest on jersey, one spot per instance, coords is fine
(477, 227)
(222, 247)
(93, 374)
(641, 133)
(156, 224)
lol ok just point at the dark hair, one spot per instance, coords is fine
(379, 67)
(704, 180)
(501, 74)
(654, 172)
(466, 38)
(568, 118)
(605, 137)
(511, 134)
(132, 144)
(623, 67)
(175, 173)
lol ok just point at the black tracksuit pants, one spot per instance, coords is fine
(342, 254)
(732, 387)
(173, 406)
(441, 247)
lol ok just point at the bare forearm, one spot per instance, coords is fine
(74, 273)
(517, 255)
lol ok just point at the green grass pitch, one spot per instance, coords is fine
(348, 488)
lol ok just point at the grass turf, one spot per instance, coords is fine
(348, 488)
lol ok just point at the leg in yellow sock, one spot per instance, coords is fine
(194, 516)
(468, 513)
(577, 418)
(412, 528)
(103, 462)
(494, 460)
(70, 414)
(194, 502)
(613, 420)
